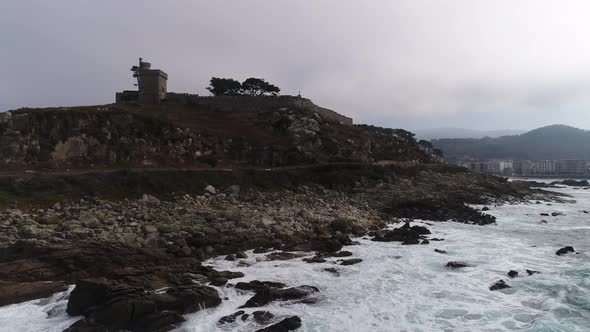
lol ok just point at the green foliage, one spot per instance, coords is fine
(259, 87)
(224, 87)
(250, 87)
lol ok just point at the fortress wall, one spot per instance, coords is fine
(256, 103)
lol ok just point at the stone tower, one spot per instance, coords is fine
(152, 84)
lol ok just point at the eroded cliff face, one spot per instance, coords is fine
(109, 136)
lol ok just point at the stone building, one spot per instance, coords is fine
(151, 83)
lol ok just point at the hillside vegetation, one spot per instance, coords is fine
(551, 142)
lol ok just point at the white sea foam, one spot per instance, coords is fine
(408, 288)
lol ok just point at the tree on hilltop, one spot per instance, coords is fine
(224, 87)
(259, 87)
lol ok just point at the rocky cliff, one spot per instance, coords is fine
(180, 135)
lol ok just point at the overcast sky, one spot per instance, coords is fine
(480, 64)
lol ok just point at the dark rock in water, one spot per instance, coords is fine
(84, 325)
(457, 265)
(436, 239)
(118, 307)
(351, 261)
(219, 281)
(323, 246)
(485, 208)
(438, 209)
(573, 183)
(245, 317)
(555, 214)
(545, 214)
(315, 259)
(230, 318)
(241, 255)
(344, 239)
(425, 241)
(531, 272)
(230, 257)
(256, 285)
(260, 250)
(262, 317)
(440, 251)
(513, 274)
(543, 221)
(342, 253)
(500, 284)
(287, 324)
(405, 234)
(268, 295)
(584, 211)
(564, 250)
(331, 270)
(282, 256)
(25, 291)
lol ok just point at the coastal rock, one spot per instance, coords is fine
(287, 324)
(500, 284)
(457, 265)
(564, 250)
(262, 317)
(531, 272)
(351, 261)
(406, 234)
(267, 295)
(16, 292)
(282, 256)
(256, 285)
(230, 318)
(440, 251)
(211, 190)
(512, 274)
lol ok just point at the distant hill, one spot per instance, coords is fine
(551, 142)
(436, 133)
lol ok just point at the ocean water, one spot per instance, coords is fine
(408, 288)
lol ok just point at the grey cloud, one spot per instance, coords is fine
(415, 63)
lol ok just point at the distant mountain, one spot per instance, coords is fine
(551, 142)
(436, 133)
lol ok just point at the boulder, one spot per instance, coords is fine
(500, 284)
(287, 324)
(230, 318)
(351, 261)
(564, 250)
(282, 256)
(211, 190)
(16, 292)
(457, 265)
(512, 274)
(406, 234)
(262, 317)
(531, 272)
(256, 285)
(440, 251)
(267, 295)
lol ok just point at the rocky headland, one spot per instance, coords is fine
(282, 181)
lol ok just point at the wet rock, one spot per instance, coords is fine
(16, 292)
(241, 255)
(485, 208)
(342, 253)
(118, 307)
(440, 251)
(219, 281)
(555, 214)
(287, 324)
(262, 317)
(543, 221)
(425, 241)
(260, 250)
(256, 285)
(323, 246)
(457, 265)
(513, 274)
(564, 250)
(544, 214)
(531, 272)
(351, 261)
(406, 234)
(314, 259)
(267, 295)
(573, 183)
(230, 257)
(331, 270)
(500, 284)
(84, 325)
(230, 318)
(282, 256)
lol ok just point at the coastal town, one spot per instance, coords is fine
(531, 168)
